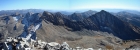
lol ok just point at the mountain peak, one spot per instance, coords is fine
(28, 14)
(58, 13)
(46, 13)
(89, 11)
(103, 11)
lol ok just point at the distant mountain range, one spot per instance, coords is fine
(129, 17)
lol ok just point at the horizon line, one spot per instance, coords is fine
(76, 10)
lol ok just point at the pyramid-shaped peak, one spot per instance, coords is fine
(102, 11)
(104, 14)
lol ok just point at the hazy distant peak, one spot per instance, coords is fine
(90, 11)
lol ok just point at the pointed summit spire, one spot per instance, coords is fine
(103, 11)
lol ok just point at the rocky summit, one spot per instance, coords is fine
(88, 29)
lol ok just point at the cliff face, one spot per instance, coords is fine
(31, 23)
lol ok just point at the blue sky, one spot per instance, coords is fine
(69, 4)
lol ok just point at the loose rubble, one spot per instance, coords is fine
(20, 43)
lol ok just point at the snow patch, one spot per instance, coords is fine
(28, 36)
(15, 18)
(36, 27)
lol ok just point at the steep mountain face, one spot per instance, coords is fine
(105, 21)
(31, 23)
(56, 19)
(101, 21)
(129, 17)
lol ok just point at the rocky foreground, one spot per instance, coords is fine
(20, 43)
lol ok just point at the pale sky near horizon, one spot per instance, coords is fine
(69, 4)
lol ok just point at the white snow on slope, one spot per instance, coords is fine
(15, 18)
(36, 27)
(28, 36)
